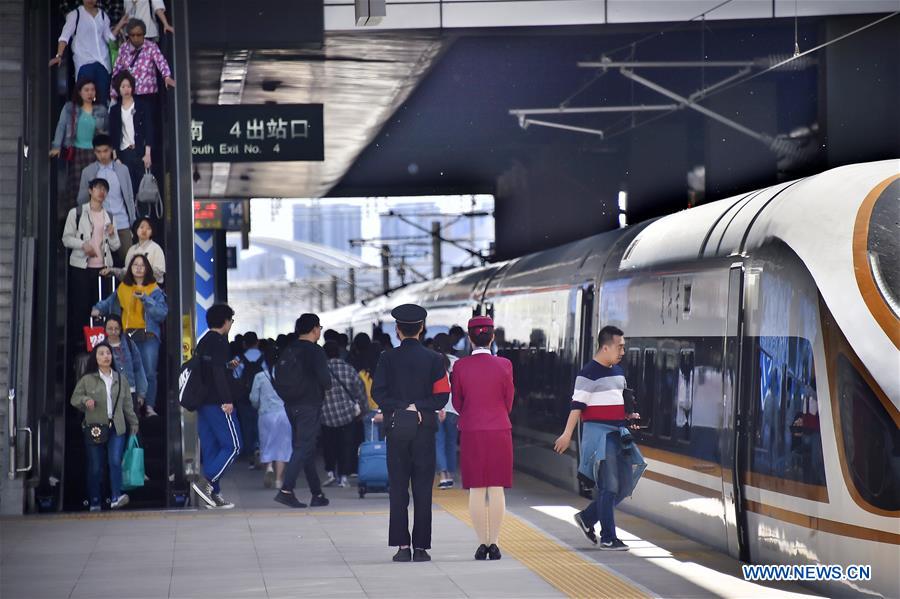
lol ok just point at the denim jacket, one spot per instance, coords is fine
(631, 464)
(64, 136)
(155, 309)
(132, 366)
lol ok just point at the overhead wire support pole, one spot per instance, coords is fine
(593, 109)
(663, 64)
(525, 122)
(762, 137)
(416, 225)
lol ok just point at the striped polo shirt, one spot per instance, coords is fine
(599, 393)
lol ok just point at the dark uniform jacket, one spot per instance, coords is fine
(214, 355)
(411, 374)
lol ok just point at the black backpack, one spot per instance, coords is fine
(251, 369)
(288, 375)
(191, 386)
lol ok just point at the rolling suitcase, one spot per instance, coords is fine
(372, 471)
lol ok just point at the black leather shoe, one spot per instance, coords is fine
(481, 553)
(494, 552)
(403, 555)
(420, 555)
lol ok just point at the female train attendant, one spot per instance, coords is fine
(482, 392)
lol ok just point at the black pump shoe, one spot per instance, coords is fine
(494, 552)
(420, 555)
(403, 554)
(481, 553)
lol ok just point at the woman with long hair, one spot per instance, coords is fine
(131, 129)
(104, 397)
(275, 442)
(142, 305)
(483, 392)
(79, 120)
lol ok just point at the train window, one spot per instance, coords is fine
(787, 441)
(685, 397)
(871, 439)
(650, 392)
(883, 246)
(668, 386)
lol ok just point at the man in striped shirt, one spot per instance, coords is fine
(599, 400)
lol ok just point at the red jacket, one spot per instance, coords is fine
(482, 392)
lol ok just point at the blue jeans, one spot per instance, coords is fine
(110, 452)
(602, 507)
(373, 430)
(446, 442)
(97, 73)
(149, 349)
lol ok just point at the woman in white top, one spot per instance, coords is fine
(104, 396)
(142, 9)
(145, 246)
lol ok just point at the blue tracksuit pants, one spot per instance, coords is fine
(220, 441)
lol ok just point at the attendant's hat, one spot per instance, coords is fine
(409, 314)
(481, 324)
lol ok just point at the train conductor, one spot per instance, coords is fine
(410, 386)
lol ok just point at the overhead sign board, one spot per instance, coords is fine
(219, 214)
(257, 132)
(256, 25)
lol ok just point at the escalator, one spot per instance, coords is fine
(58, 483)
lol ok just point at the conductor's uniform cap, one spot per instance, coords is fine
(409, 314)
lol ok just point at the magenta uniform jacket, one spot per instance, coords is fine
(482, 392)
(483, 395)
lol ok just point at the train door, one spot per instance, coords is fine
(734, 425)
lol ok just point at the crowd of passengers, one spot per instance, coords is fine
(349, 414)
(106, 142)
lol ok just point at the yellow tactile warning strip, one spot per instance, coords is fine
(561, 566)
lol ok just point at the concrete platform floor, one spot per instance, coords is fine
(261, 549)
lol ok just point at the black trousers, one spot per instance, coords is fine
(305, 426)
(411, 463)
(337, 442)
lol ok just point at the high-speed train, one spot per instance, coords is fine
(762, 335)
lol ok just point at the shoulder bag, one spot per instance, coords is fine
(98, 434)
(356, 409)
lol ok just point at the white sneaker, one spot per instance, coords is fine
(121, 502)
(269, 478)
(149, 412)
(329, 479)
(344, 482)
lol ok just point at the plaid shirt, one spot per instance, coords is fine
(338, 408)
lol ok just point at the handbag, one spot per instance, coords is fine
(93, 335)
(356, 409)
(98, 434)
(133, 465)
(404, 425)
(148, 194)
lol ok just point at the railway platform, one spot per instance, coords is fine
(260, 549)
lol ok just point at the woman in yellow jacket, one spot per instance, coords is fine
(104, 395)
(142, 305)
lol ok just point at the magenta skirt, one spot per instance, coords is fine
(486, 458)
